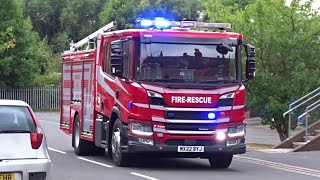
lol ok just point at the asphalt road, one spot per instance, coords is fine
(253, 164)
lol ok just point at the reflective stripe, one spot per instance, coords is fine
(189, 91)
(226, 90)
(160, 119)
(117, 81)
(182, 132)
(101, 76)
(141, 105)
(225, 108)
(238, 107)
(221, 130)
(153, 88)
(157, 107)
(159, 130)
(190, 132)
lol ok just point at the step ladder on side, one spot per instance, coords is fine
(308, 138)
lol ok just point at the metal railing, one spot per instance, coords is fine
(310, 108)
(293, 106)
(39, 98)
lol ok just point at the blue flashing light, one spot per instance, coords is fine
(130, 104)
(170, 115)
(211, 115)
(146, 23)
(162, 23)
(159, 23)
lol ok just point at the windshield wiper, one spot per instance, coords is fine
(15, 131)
(216, 81)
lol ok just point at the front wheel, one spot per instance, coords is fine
(119, 157)
(220, 161)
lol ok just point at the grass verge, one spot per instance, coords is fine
(254, 146)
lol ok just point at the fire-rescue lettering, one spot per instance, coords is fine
(183, 99)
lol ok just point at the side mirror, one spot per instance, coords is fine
(250, 62)
(117, 57)
(224, 48)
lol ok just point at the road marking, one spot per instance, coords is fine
(49, 122)
(281, 166)
(144, 176)
(95, 162)
(55, 150)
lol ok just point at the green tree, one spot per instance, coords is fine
(61, 21)
(286, 40)
(25, 57)
(6, 39)
(44, 15)
(80, 18)
(125, 12)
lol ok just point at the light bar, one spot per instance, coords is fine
(163, 23)
(194, 24)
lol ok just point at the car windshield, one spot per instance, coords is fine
(159, 62)
(16, 119)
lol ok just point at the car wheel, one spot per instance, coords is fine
(221, 161)
(81, 147)
(119, 157)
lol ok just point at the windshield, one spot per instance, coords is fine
(160, 62)
(16, 119)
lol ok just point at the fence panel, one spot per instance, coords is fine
(39, 98)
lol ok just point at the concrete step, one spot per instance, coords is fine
(317, 131)
(310, 137)
(298, 144)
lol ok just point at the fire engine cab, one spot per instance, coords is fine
(166, 89)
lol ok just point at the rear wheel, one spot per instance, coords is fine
(81, 147)
(119, 157)
(221, 161)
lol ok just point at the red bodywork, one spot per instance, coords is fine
(87, 91)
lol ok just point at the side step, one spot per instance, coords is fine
(298, 142)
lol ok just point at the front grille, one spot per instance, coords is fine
(190, 142)
(187, 115)
(190, 127)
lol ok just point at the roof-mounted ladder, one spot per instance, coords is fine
(86, 40)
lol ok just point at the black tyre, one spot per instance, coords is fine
(119, 157)
(221, 161)
(81, 147)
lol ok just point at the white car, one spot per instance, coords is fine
(23, 147)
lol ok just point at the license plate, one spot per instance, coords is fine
(190, 149)
(8, 176)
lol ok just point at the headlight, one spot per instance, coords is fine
(155, 98)
(221, 136)
(227, 96)
(141, 129)
(235, 131)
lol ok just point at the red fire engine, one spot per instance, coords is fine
(163, 89)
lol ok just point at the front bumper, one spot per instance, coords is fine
(172, 150)
(23, 167)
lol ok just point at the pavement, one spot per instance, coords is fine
(260, 134)
(253, 164)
